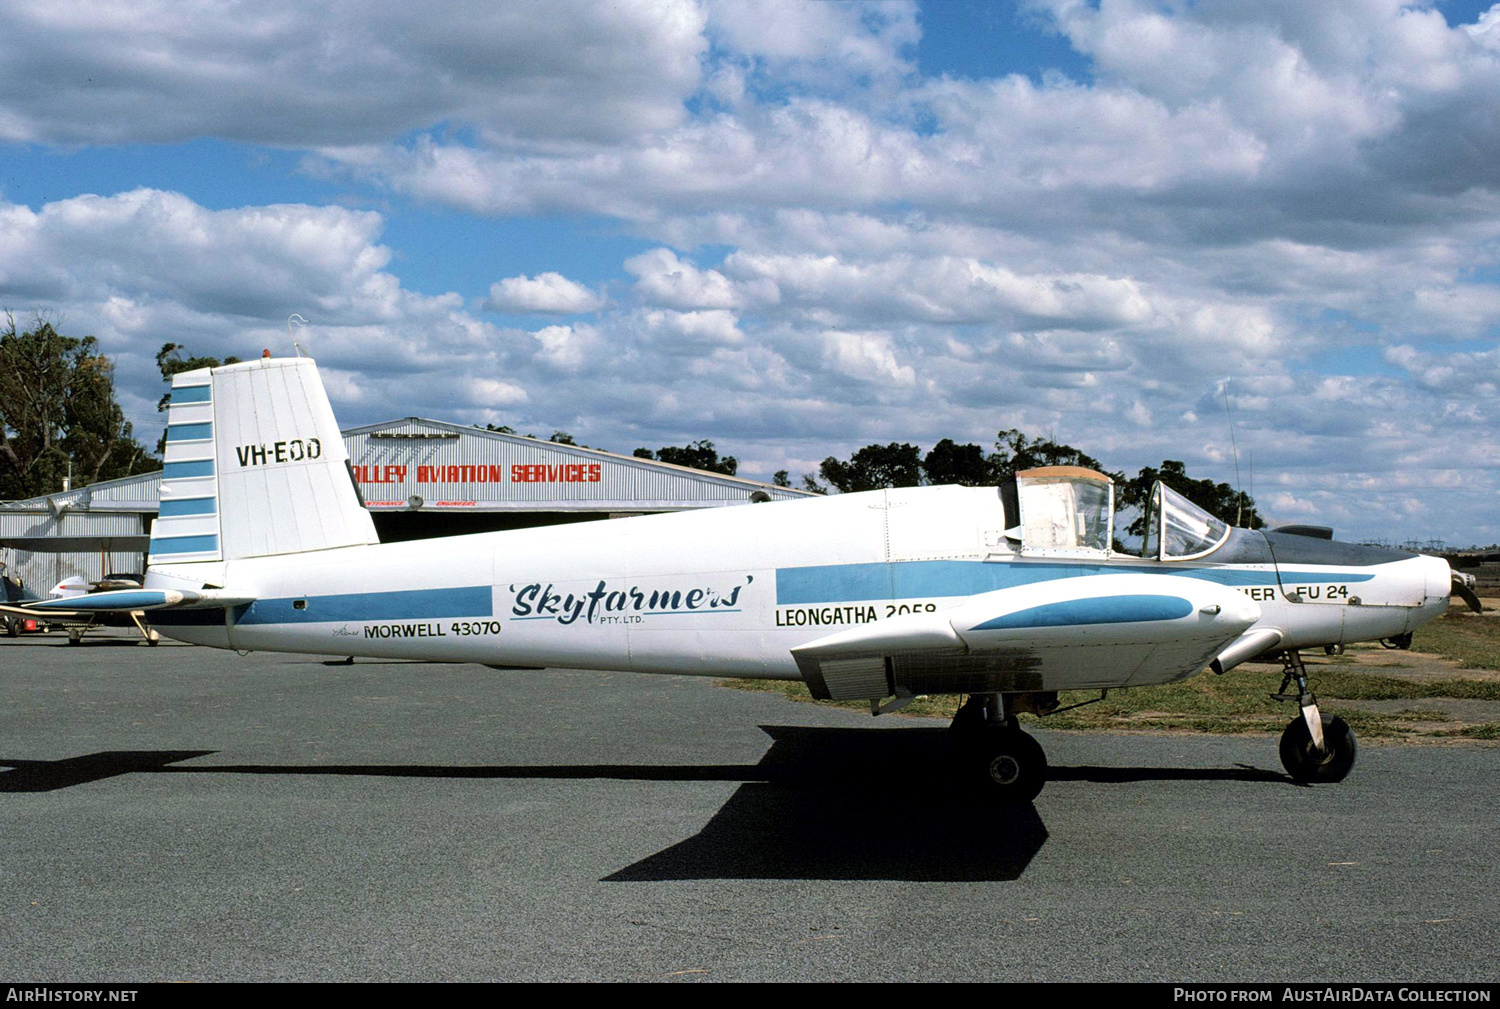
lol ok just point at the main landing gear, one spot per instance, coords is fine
(1007, 763)
(1313, 749)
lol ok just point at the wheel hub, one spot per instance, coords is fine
(1005, 769)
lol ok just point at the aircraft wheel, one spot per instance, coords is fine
(13, 627)
(1012, 765)
(1305, 764)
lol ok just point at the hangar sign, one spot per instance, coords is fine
(424, 465)
(460, 473)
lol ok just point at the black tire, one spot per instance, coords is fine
(13, 627)
(1305, 764)
(1012, 766)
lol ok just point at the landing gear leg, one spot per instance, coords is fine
(1010, 765)
(1313, 749)
(138, 617)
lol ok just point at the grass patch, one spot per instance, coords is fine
(1489, 730)
(1232, 704)
(1422, 715)
(1365, 687)
(1464, 637)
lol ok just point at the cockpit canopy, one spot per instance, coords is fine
(1065, 511)
(1068, 511)
(1178, 530)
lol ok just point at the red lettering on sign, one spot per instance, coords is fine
(566, 473)
(519, 473)
(380, 474)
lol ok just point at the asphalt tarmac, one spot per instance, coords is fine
(182, 814)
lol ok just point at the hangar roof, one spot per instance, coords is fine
(453, 466)
(414, 464)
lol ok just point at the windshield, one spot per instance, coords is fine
(1178, 530)
(1065, 514)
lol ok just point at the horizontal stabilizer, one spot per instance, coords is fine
(130, 600)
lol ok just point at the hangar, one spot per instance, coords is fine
(419, 478)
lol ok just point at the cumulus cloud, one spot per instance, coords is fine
(941, 289)
(664, 279)
(341, 72)
(1486, 31)
(825, 45)
(868, 356)
(146, 267)
(164, 245)
(567, 348)
(546, 293)
(714, 326)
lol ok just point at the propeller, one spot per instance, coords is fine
(1463, 587)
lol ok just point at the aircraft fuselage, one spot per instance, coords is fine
(731, 591)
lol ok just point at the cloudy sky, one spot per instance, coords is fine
(799, 228)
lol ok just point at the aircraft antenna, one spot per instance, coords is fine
(1239, 497)
(301, 322)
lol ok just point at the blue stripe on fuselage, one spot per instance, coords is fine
(847, 583)
(1100, 610)
(359, 607)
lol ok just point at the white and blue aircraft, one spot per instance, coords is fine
(1004, 594)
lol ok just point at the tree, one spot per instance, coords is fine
(697, 455)
(562, 438)
(170, 361)
(873, 467)
(1015, 451)
(782, 478)
(949, 462)
(1218, 499)
(57, 406)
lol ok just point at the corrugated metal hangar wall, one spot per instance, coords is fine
(419, 478)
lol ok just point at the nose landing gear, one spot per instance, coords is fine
(1306, 763)
(1314, 750)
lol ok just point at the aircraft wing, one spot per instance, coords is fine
(1092, 630)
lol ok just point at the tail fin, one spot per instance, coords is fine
(255, 465)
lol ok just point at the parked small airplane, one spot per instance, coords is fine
(1005, 594)
(14, 593)
(20, 613)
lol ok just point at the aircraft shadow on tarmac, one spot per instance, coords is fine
(822, 803)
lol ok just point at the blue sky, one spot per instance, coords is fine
(797, 228)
